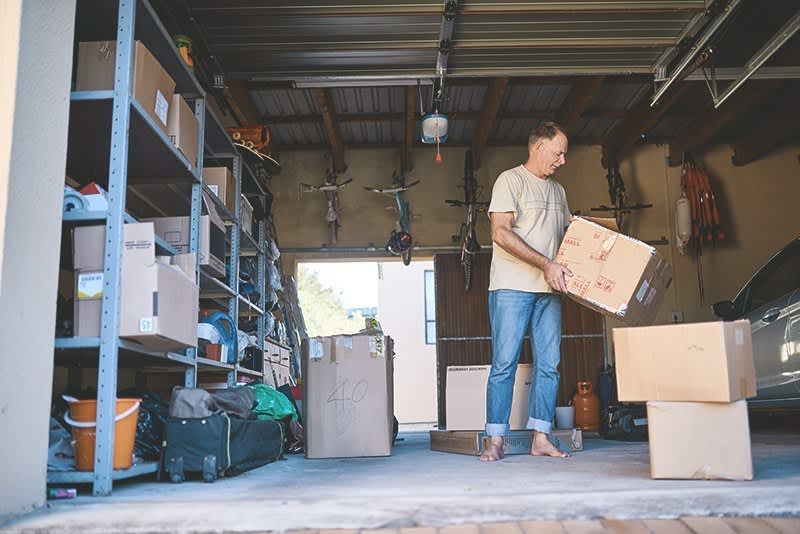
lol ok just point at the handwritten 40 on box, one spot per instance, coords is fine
(613, 274)
(348, 396)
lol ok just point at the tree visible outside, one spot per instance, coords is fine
(323, 308)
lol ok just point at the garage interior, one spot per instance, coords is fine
(341, 87)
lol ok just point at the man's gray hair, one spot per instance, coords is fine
(545, 130)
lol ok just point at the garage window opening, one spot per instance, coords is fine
(336, 298)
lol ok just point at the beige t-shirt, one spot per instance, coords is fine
(541, 214)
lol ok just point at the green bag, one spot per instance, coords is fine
(271, 404)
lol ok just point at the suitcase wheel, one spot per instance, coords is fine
(175, 470)
(210, 468)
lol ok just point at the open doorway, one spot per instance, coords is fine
(336, 297)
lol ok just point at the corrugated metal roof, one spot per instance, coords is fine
(373, 132)
(285, 102)
(544, 97)
(369, 99)
(298, 134)
(255, 39)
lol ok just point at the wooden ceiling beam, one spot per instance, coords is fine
(768, 130)
(244, 109)
(707, 125)
(642, 117)
(407, 162)
(332, 129)
(578, 100)
(492, 100)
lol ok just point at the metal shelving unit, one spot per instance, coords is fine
(111, 135)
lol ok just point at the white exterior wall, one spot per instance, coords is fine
(35, 70)
(401, 311)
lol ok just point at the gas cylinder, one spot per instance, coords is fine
(587, 408)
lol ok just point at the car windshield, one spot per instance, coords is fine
(776, 279)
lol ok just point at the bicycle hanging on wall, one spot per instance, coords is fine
(400, 239)
(466, 234)
(331, 189)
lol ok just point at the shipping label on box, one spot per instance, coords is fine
(699, 440)
(701, 362)
(465, 397)
(613, 273)
(90, 286)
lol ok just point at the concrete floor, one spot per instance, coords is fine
(418, 487)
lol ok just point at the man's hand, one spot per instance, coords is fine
(554, 274)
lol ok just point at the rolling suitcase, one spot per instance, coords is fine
(218, 445)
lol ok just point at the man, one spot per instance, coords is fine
(529, 215)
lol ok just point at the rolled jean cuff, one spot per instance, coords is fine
(497, 429)
(545, 427)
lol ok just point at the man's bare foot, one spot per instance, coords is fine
(543, 447)
(495, 452)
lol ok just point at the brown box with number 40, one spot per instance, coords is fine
(613, 274)
(348, 396)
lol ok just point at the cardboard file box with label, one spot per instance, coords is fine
(158, 295)
(699, 362)
(465, 397)
(348, 396)
(152, 86)
(183, 128)
(175, 231)
(220, 181)
(612, 273)
(702, 440)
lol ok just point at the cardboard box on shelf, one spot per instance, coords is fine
(465, 397)
(348, 396)
(277, 374)
(175, 231)
(152, 86)
(699, 362)
(158, 295)
(517, 442)
(699, 440)
(183, 128)
(221, 182)
(613, 274)
(247, 216)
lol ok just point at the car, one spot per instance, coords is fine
(770, 300)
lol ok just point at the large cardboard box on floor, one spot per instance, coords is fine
(348, 396)
(175, 231)
(183, 128)
(158, 295)
(465, 397)
(701, 440)
(698, 362)
(613, 274)
(152, 86)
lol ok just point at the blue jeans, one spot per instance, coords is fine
(512, 314)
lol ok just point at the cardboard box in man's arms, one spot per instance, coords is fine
(613, 274)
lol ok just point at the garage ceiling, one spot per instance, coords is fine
(321, 71)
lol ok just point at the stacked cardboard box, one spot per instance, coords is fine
(465, 397)
(695, 379)
(348, 396)
(158, 295)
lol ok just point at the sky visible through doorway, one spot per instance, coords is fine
(356, 282)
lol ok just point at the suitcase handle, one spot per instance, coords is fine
(91, 424)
